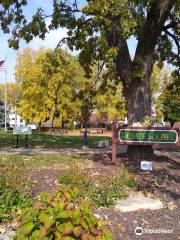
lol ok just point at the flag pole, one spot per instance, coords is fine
(5, 97)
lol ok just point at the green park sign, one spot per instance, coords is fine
(147, 136)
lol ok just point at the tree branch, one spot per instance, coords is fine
(98, 73)
(171, 25)
(156, 18)
(61, 41)
(123, 60)
(175, 40)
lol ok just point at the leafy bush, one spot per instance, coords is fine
(102, 191)
(14, 188)
(63, 215)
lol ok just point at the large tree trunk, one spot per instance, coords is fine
(138, 99)
(138, 96)
(138, 93)
(135, 74)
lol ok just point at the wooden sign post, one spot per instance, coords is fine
(143, 136)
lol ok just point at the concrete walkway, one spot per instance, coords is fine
(54, 150)
(106, 150)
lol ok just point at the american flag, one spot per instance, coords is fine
(2, 65)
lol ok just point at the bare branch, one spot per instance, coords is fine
(123, 60)
(62, 41)
(156, 18)
(99, 71)
(173, 24)
(175, 40)
(46, 16)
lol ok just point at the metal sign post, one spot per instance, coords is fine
(23, 130)
(17, 141)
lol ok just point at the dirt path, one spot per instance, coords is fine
(54, 150)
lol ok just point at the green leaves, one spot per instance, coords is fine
(78, 231)
(101, 192)
(170, 98)
(73, 220)
(26, 228)
(49, 86)
(46, 219)
(14, 188)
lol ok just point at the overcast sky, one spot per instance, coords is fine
(50, 41)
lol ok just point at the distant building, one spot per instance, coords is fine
(2, 115)
(15, 119)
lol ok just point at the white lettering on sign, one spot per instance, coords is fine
(22, 130)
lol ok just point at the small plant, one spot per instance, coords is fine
(63, 215)
(102, 191)
(14, 188)
(148, 121)
(111, 188)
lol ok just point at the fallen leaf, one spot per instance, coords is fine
(171, 205)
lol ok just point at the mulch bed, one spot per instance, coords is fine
(162, 183)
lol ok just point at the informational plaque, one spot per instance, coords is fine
(22, 130)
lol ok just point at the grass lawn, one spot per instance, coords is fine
(44, 140)
(57, 161)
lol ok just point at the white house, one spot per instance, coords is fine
(15, 119)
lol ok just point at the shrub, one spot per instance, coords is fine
(102, 191)
(63, 215)
(14, 187)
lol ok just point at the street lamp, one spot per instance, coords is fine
(85, 136)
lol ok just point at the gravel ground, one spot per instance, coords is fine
(7, 236)
(162, 183)
(123, 225)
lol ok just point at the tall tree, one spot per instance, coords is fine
(13, 92)
(160, 76)
(53, 85)
(111, 103)
(100, 30)
(33, 93)
(170, 98)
